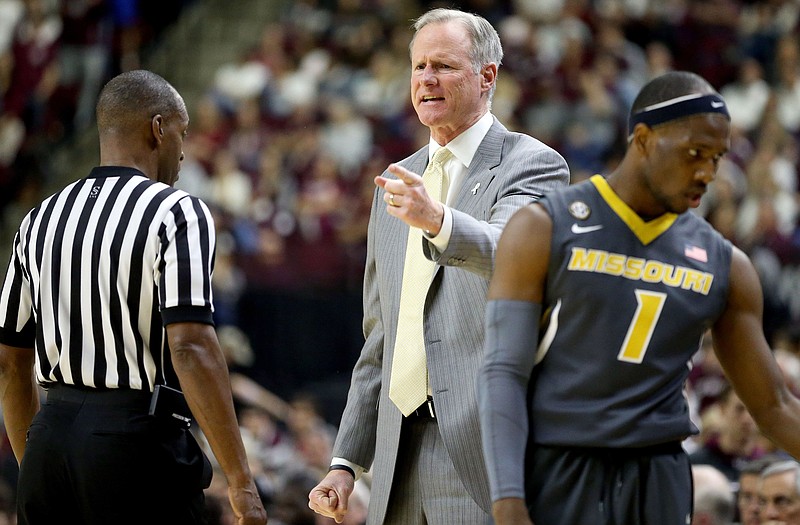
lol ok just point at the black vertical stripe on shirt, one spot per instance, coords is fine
(10, 317)
(56, 262)
(162, 264)
(158, 340)
(41, 234)
(76, 343)
(95, 300)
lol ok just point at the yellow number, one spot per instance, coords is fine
(648, 310)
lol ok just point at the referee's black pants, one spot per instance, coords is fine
(98, 458)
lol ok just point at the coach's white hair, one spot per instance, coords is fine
(486, 47)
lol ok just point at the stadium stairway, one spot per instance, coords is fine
(207, 34)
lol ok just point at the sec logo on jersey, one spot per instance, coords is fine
(579, 210)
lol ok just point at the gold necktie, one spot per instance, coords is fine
(408, 387)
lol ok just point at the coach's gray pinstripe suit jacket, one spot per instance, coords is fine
(513, 170)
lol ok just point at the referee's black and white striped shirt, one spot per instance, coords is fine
(98, 270)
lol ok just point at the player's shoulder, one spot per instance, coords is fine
(699, 226)
(578, 192)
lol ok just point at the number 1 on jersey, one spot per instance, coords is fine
(648, 310)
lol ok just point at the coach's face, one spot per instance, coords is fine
(446, 91)
(779, 500)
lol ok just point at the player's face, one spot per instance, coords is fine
(445, 90)
(779, 499)
(684, 158)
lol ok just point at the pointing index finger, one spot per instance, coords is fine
(408, 177)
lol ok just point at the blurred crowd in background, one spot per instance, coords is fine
(287, 139)
(55, 55)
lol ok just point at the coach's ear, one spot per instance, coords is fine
(488, 76)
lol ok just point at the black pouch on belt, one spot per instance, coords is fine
(169, 404)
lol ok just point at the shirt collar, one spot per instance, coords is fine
(464, 146)
(114, 171)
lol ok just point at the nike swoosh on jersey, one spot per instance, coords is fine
(586, 229)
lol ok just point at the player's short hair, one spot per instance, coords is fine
(670, 85)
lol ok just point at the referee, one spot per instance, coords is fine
(107, 305)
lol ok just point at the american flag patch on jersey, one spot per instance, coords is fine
(696, 253)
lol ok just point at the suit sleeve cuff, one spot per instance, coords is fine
(357, 469)
(442, 239)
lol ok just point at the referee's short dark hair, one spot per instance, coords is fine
(133, 97)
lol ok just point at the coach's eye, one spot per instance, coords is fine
(693, 152)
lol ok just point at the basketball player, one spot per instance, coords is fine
(600, 297)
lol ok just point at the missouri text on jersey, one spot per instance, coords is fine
(638, 269)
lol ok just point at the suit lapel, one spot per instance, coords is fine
(479, 176)
(468, 199)
(481, 169)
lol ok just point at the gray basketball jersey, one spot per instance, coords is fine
(626, 305)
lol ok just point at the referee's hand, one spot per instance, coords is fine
(247, 506)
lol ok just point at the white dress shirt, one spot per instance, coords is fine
(463, 148)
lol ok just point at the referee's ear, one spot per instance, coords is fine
(156, 127)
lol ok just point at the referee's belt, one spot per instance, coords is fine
(94, 396)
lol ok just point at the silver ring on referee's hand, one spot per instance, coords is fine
(391, 200)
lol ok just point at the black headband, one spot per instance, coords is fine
(679, 107)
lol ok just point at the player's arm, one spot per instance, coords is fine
(747, 359)
(523, 252)
(512, 324)
(18, 394)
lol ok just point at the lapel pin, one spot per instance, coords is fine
(475, 189)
